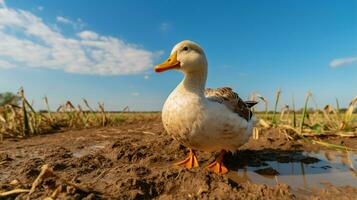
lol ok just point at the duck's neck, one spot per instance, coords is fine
(194, 82)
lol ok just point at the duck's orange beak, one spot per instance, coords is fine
(170, 63)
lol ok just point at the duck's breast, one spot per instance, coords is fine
(181, 115)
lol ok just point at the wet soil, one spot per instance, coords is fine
(134, 161)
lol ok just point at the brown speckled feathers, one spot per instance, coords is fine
(231, 99)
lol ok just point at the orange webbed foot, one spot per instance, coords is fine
(189, 162)
(217, 166)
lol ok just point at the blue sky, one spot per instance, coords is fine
(105, 50)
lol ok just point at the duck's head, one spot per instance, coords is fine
(187, 57)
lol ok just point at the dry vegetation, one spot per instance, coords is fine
(24, 121)
(306, 123)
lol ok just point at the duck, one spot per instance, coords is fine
(205, 119)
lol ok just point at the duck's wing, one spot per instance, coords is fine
(232, 100)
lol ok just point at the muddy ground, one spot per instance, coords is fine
(134, 161)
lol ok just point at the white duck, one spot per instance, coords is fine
(203, 119)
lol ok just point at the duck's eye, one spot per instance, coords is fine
(185, 49)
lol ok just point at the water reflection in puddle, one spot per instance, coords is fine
(309, 171)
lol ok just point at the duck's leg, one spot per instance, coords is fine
(218, 166)
(190, 162)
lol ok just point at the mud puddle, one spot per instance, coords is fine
(304, 172)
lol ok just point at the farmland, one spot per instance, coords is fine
(83, 151)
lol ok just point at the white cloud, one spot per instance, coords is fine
(343, 61)
(135, 94)
(26, 41)
(63, 20)
(40, 8)
(88, 35)
(164, 26)
(6, 65)
(78, 24)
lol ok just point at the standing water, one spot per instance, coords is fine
(302, 171)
